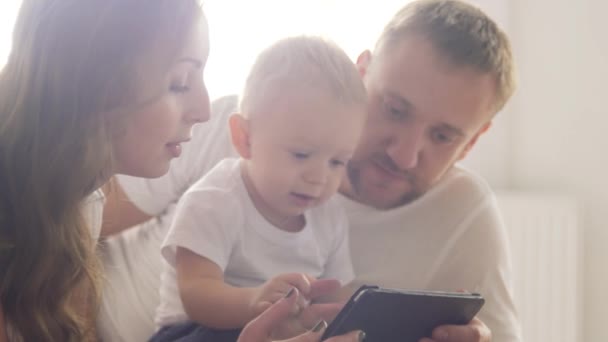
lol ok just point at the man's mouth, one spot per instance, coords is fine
(390, 171)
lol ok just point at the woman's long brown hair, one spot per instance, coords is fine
(72, 63)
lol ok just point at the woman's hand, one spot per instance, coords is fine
(263, 327)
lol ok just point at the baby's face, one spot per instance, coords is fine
(299, 149)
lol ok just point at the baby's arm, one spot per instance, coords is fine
(208, 300)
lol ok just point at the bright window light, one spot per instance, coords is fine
(8, 14)
(240, 29)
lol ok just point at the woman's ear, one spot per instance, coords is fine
(239, 132)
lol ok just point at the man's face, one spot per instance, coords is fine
(424, 114)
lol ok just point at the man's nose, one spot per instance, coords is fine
(405, 149)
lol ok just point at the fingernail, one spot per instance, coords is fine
(319, 326)
(361, 336)
(290, 292)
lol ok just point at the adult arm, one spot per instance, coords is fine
(203, 290)
(480, 262)
(261, 329)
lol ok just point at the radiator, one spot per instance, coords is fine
(545, 233)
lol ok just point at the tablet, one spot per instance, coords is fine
(402, 315)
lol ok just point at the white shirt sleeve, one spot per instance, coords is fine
(210, 144)
(499, 312)
(481, 258)
(339, 265)
(206, 222)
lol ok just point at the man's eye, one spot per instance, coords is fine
(300, 155)
(442, 138)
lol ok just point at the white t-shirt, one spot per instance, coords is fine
(92, 210)
(216, 219)
(135, 264)
(450, 239)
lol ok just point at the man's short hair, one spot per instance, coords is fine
(462, 33)
(298, 63)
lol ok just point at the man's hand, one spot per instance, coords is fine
(476, 331)
(262, 328)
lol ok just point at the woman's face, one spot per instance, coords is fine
(152, 134)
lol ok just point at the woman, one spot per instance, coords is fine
(91, 89)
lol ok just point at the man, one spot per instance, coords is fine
(439, 73)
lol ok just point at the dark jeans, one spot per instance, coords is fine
(194, 332)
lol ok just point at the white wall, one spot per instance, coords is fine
(492, 155)
(553, 136)
(559, 124)
(238, 36)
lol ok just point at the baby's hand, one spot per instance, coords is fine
(276, 288)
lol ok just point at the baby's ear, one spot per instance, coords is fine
(363, 62)
(239, 132)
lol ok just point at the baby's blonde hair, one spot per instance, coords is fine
(298, 63)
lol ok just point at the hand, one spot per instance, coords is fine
(476, 331)
(320, 311)
(262, 328)
(276, 288)
(310, 315)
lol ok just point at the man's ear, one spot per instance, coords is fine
(363, 62)
(240, 134)
(473, 140)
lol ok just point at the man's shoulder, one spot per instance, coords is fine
(462, 182)
(471, 194)
(459, 193)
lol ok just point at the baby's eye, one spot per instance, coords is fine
(180, 89)
(337, 163)
(300, 155)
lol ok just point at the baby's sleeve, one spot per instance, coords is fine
(206, 223)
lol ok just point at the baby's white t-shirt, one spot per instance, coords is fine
(217, 220)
